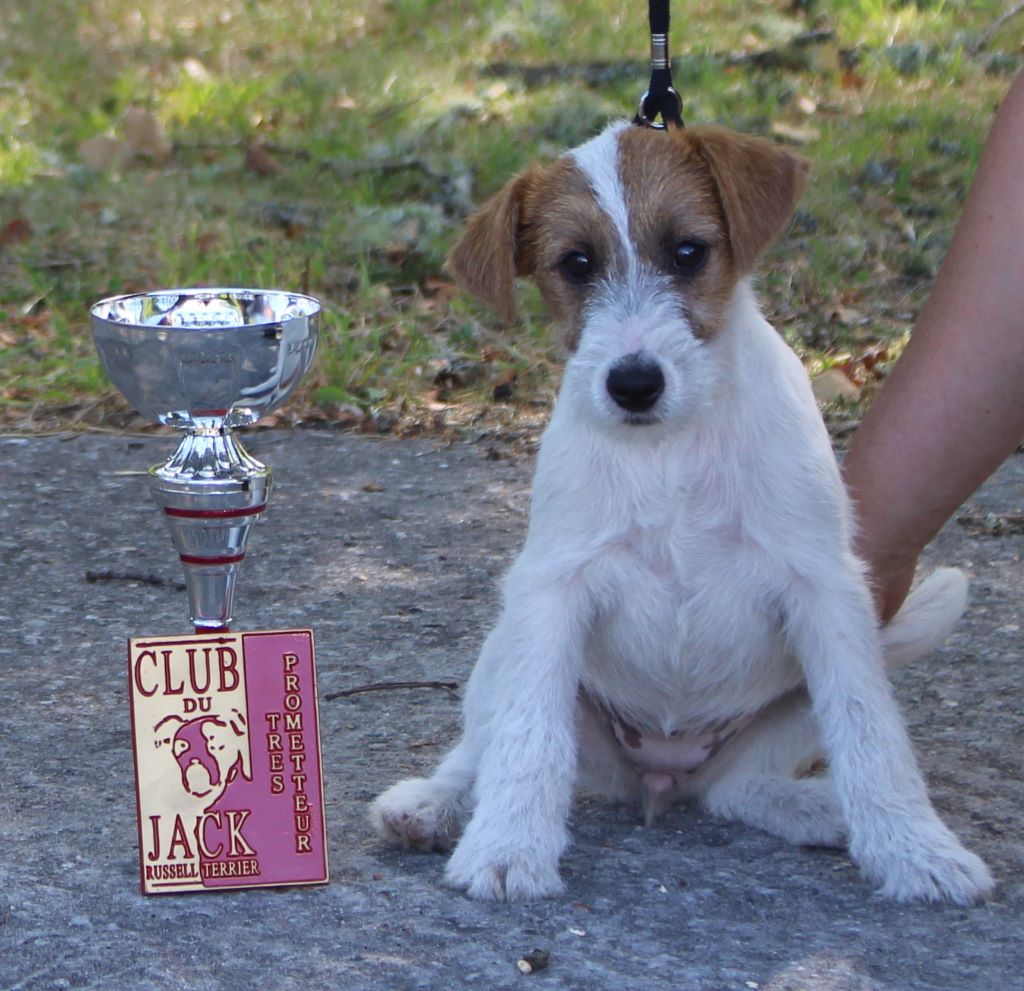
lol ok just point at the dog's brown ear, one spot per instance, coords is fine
(760, 184)
(489, 255)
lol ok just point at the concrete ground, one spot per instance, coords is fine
(390, 551)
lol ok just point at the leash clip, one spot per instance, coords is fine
(660, 99)
(675, 114)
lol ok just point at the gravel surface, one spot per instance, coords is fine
(391, 551)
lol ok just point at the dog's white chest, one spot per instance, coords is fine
(691, 633)
(688, 537)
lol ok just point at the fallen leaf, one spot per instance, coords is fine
(33, 311)
(459, 373)
(396, 255)
(852, 369)
(800, 134)
(438, 288)
(874, 356)
(833, 384)
(491, 353)
(347, 416)
(206, 242)
(846, 315)
(259, 160)
(102, 153)
(195, 69)
(505, 387)
(144, 135)
(14, 231)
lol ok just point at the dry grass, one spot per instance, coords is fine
(337, 148)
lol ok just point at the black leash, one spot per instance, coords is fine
(660, 100)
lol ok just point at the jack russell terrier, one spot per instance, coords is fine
(687, 617)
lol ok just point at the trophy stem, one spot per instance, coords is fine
(211, 491)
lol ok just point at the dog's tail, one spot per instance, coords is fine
(928, 616)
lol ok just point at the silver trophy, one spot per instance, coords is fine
(207, 361)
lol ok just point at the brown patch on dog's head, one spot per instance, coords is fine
(672, 199)
(728, 192)
(525, 230)
(759, 183)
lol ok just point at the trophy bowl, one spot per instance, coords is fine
(206, 361)
(183, 356)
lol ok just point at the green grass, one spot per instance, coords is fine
(387, 122)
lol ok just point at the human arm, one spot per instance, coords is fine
(953, 408)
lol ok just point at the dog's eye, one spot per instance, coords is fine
(689, 257)
(577, 267)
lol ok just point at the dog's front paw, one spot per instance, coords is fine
(418, 813)
(926, 863)
(502, 872)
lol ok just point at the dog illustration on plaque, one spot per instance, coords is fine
(211, 751)
(207, 776)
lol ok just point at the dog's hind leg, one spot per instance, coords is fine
(601, 768)
(757, 779)
(429, 813)
(896, 837)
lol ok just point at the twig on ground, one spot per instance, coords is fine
(386, 686)
(133, 576)
(992, 524)
(985, 38)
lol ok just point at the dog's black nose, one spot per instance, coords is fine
(635, 383)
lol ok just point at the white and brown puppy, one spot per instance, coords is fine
(687, 616)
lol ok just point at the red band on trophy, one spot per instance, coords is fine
(213, 559)
(213, 514)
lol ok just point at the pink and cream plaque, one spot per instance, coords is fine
(227, 761)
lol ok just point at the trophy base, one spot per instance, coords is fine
(229, 784)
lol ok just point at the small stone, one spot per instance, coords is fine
(533, 961)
